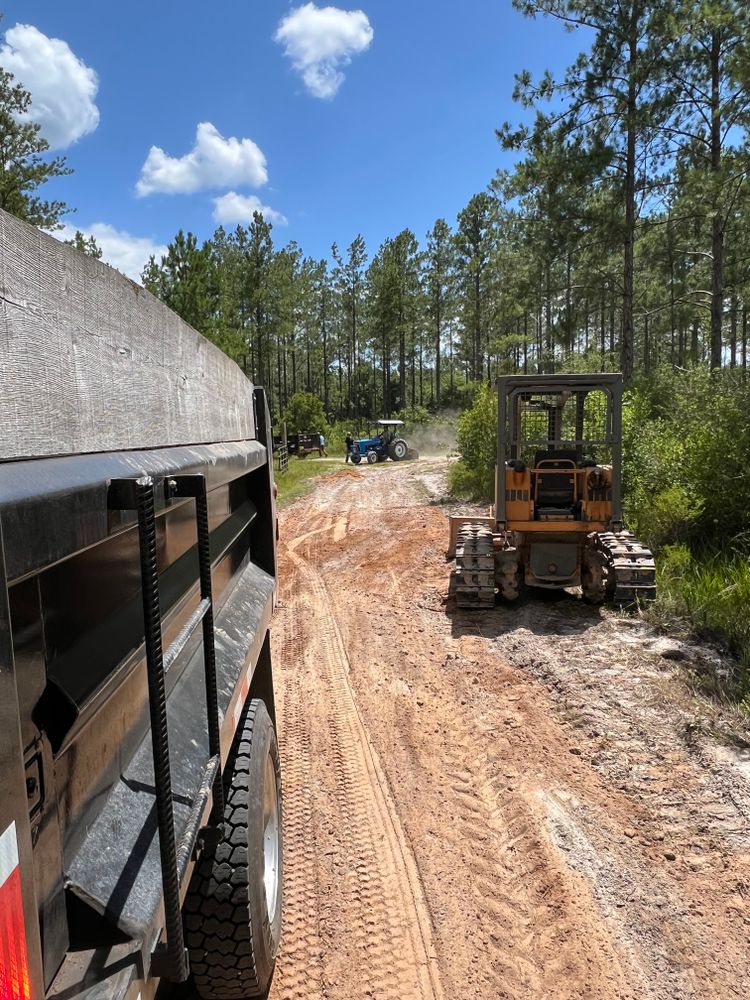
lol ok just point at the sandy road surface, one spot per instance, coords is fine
(507, 804)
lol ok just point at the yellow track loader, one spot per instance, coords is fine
(557, 518)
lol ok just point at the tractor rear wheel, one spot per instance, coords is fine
(398, 450)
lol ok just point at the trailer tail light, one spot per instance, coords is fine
(15, 983)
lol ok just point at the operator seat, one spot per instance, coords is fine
(555, 491)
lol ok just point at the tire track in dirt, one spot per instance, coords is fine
(574, 842)
(370, 935)
(299, 972)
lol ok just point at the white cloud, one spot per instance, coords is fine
(319, 40)
(62, 87)
(238, 208)
(213, 162)
(127, 253)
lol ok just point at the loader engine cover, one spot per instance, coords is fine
(553, 561)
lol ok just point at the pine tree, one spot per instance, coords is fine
(439, 284)
(85, 244)
(23, 166)
(613, 95)
(475, 243)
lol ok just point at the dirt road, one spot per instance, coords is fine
(521, 803)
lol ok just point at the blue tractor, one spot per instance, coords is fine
(382, 443)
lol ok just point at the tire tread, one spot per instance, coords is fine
(218, 937)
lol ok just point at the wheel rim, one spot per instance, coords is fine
(271, 839)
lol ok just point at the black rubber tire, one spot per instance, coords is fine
(232, 943)
(356, 459)
(398, 450)
(371, 457)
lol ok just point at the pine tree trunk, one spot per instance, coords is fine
(325, 362)
(627, 339)
(438, 318)
(401, 352)
(717, 228)
(478, 359)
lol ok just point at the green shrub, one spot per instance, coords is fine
(477, 445)
(667, 518)
(467, 484)
(304, 413)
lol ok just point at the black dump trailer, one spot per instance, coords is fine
(140, 795)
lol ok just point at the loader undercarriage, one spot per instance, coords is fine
(615, 567)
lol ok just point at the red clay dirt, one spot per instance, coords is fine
(521, 803)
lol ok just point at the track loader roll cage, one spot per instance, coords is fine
(562, 448)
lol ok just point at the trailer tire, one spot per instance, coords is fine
(233, 908)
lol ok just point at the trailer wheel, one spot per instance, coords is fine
(233, 907)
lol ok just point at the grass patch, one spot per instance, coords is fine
(300, 477)
(708, 591)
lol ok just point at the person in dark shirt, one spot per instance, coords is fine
(349, 443)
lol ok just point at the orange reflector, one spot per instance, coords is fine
(14, 965)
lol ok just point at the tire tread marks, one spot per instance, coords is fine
(354, 870)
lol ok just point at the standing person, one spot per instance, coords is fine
(322, 450)
(349, 443)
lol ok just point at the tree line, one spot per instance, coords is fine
(619, 234)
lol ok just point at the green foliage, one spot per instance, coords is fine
(24, 167)
(670, 517)
(687, 455)
(86, 245)
(473, 476)
(182, 280)
(304, 413)
(709, 591)
(415, 416)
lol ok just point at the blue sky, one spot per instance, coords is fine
(368, 117)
